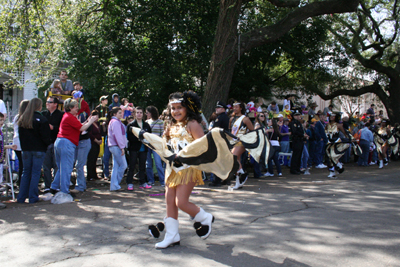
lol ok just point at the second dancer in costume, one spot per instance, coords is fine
(381, 137)
(240, 125)
(336, 146)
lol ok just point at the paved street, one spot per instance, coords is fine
(290, 221)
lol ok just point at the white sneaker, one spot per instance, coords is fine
(321, 166)
(268, 174)
(307, 172)
(372, 163)
(380, 164)
(279, 174)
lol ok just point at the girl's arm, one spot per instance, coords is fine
(195, 129)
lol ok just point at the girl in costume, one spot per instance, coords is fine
(381, 137)
(335, 147)
(239, 125)
(185, 127)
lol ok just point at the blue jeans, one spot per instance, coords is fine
(106, 158)
(257, 168)
(319, 152)
(285, 146)
(363, 158)
(119, 167)
(159, 166)
(65, 153)
(311, 152)
(32, 161)
(48, 164)
(304, 157)
(275, 158)
(81, 154)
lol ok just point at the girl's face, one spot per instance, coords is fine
(119, 114)
(126, 102)
(287, 107)
(178, 112)
(270, 123)
(261, 117)
(139, 114)
(237, 109)
(74, 110)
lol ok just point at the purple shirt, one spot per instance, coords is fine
(116, 134)
(284, 129)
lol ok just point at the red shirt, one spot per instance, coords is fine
(84, 108)
(70, 128)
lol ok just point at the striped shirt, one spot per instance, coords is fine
(157, 127)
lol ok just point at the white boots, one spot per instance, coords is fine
(332, 173)
(203, 221)
(241, 178)
(380, 163)
(172, 237)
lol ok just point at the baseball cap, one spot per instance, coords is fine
(103, 97)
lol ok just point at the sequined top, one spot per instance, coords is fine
(332, 132)
(179, 137)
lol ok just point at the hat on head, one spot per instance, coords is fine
(296, 113)
(103, 97)
(313, 105)
(221, 104)
(280, 116)
(314, 120)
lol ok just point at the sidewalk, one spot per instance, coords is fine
(293, 220)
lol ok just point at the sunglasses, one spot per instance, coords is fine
(50, 102)
(262, 116)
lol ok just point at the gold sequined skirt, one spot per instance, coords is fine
(184, 177)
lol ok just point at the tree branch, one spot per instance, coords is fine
(285, 3)
(374, 88)
(272, 33)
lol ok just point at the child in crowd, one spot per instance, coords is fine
(57, 89)
(83, 105)
(3, 147)
(127, 107)
(287, 112)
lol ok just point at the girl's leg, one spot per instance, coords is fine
(241, 176)
(170, 196)
(182, 199)
(238, 151)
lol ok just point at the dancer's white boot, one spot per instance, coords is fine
(172, 237)
(203, 223)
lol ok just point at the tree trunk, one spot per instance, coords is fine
(224, 56)
(392, 103)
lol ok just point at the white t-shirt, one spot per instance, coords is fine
(3, 107)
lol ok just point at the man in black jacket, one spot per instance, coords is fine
(298, 134)
(222, 121)
(54, 116)
(137, 150)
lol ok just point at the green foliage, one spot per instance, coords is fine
(143, 50)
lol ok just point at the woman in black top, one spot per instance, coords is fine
(96, 140)
(137, 150)
(273, 134)
(34, 135)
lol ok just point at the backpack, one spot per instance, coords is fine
(357, 136)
